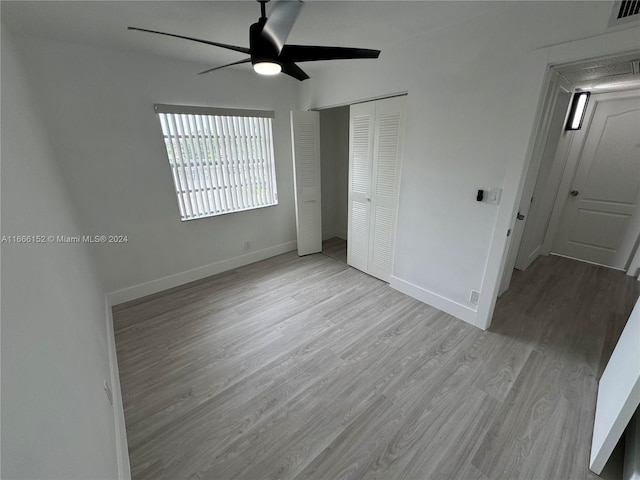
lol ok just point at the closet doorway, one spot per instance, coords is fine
(334, 161)
(361, 153)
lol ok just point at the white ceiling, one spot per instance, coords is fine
(356, 23)
(367, 24)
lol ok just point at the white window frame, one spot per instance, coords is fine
(221, 159)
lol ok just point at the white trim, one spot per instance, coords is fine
(461, 312)
(148, 288)
(341, 235)
(363, 100)
(122, 448)
(634, 266)
(224, 112)
(535, 187)
(587, 261)
(603, 45)
(543, 131)
(177, 279)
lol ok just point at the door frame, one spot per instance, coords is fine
(555, 84)
(401, 93)
(571, 167)
(550, 90)
(546, 189)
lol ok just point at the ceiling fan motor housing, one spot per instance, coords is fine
(268, 52)
(260, 48)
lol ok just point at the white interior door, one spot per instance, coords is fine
(546, 138)
(547, 183)
(602, 203)
(305, 134)
(361, 130)
(375, 153)
(387, 155)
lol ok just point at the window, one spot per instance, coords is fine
(221, 159)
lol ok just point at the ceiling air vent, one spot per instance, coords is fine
(624, 11)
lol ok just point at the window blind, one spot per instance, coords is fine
(221, 160)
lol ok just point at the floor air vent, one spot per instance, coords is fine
(624, 11)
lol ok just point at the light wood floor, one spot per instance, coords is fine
(307, 368)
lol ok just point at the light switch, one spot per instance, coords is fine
(493, 196)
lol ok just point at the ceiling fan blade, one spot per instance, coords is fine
(310, 53)
(215, 44)
(294, 71)
(280, 22)
(246, 60)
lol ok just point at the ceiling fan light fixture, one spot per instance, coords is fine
(267, 68)
(268, 51)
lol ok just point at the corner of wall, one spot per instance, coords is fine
(148, 288)
(461, 312)
(122, 449)
(501, 240)
(137, 291)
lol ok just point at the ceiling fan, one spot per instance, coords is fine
(267, 50)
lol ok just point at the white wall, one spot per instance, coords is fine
(98, 107)
(473, 91)
(334, 156)
(56, 419)
(618, 395)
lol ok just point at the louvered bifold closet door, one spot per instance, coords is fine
(361, 128)
(305, 131)
(375, 152)
(384, 185)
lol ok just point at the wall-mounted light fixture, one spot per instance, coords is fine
(578, 109)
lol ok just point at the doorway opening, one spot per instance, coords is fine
(599, 222)
(334, 167)
(360, 164)
(555, 174)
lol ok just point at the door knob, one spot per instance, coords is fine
(574, 193)
(520, 216)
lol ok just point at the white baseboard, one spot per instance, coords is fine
(122, 448)
(587, 261)
(177, 279)
(148, 288)
(456, 309)
(341, 235)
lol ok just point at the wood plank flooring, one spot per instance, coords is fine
(335, 248)
(306, 368)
